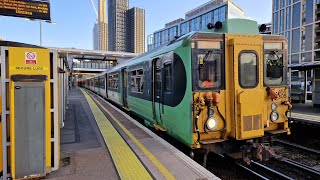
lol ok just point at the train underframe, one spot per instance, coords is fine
(257, 149)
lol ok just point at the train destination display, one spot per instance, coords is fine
(26, 8)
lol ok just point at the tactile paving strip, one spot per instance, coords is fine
(126, 162)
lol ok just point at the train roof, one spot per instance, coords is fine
(153, 53)
(229, 26)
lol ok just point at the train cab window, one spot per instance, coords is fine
(137, 81)
(209, 57)
(209, 69)
(273, 64)
(248, 67)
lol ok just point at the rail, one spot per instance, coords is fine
(301, 166)
(246, 169)
(296, 146)
(273, 173)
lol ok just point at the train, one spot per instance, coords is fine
(221, 89)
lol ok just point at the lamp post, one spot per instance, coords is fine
(40, 33)
(40, 22)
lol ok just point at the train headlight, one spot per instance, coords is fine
(212, 124)
(274, 116)
(274, 106)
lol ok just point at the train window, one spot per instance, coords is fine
(102, 81)
(113, 81)
(209, 66)
(168, 76)
(248, 67)
(137, 81)
(273, 68)
(96, 82)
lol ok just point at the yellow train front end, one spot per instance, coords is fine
(259, 92)
(246, 99)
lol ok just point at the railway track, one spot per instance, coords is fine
(282, 168)
(303, 167)
(296, 146)
(259, 170)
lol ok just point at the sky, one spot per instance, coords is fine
(74, 20)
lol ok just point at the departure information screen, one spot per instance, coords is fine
(32, 9)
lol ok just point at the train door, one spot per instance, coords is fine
(124, 87)
(248, 86)
(157, 98)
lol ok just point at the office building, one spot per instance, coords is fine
(96, 39)
(136, 35)
(117, 10)
(299, 22)
(122, 38)
(100, 29)
(1, 38)
(195, 20)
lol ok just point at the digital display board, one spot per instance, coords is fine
(31, 9)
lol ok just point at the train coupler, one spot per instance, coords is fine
(257, 152)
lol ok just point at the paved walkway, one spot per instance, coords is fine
(82, 143)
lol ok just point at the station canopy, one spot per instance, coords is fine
(70, 54)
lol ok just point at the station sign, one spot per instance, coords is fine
(32, 9)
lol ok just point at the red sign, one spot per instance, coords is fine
(31, 58)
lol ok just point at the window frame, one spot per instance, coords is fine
(111, 78)
(166, 63)
(136, 76)
(285, 67)
(239, 69)
(194, 51)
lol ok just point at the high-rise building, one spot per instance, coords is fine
(122, 38)
(96, 37)
(299, 22)
(195, 20)
(100, 29)
(117, 10)
(1, 38)
(136, 34)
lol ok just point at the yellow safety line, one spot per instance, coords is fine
(306, 115)
(126, 162)
(153, 159)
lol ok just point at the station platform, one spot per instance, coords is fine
(101, 142)
(305, 112)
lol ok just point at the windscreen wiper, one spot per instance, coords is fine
(206, 57)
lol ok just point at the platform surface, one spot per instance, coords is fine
(105, 143)
(305, 112)
(82, 144)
